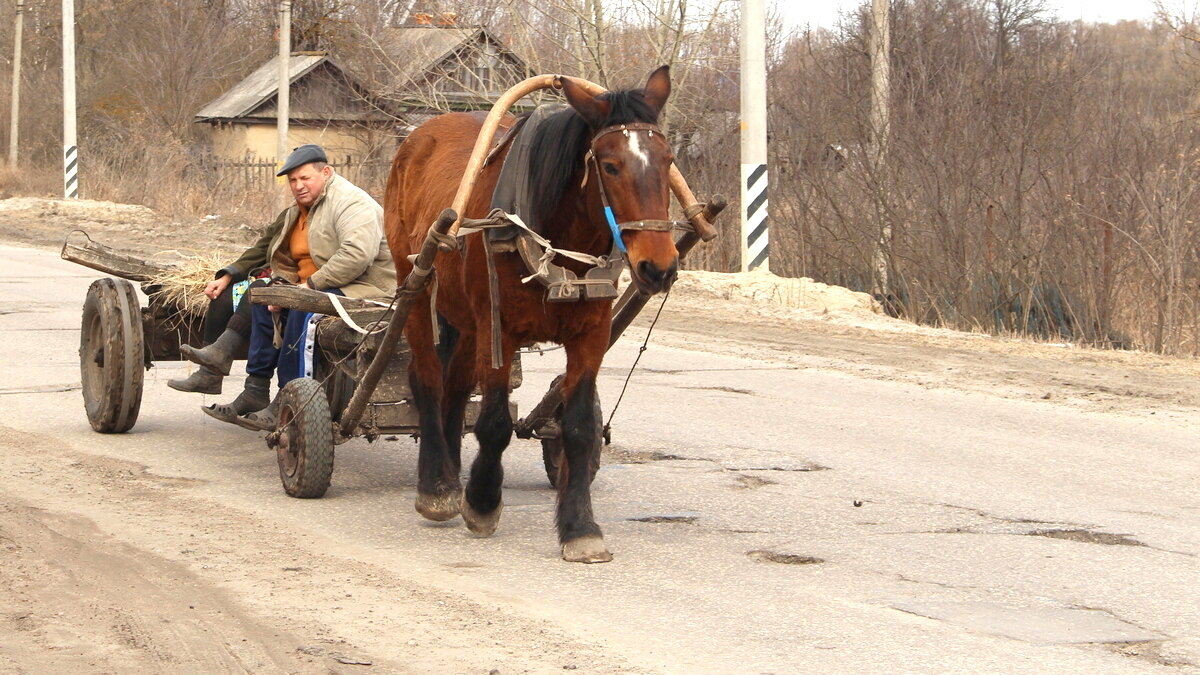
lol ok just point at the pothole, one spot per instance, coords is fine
(687, 520)
(745, 482)
(1151, 651)
(624, 456)
(781, 466)
(763, 555)
(1088, 537)
(728, 390)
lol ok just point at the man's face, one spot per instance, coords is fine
(307, 182)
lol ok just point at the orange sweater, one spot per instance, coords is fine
(298, 246)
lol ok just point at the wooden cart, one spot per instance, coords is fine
(362, 389)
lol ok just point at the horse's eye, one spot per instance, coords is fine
(610, 168)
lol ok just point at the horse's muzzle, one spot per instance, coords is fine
(651, 278)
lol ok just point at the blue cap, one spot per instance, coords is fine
(302, 155)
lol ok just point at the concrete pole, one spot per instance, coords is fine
(70, 149)
(754, 135)
(14, 128)
(285, 58)
(881, 49)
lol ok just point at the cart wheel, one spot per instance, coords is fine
(111, 356)
(552, 448)
(303, 439)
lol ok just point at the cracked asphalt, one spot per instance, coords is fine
(770, 511)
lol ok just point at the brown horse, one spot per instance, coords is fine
(583, 159)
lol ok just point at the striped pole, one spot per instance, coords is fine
(755, 250)
(754, 216)
(14, 116)
(70, 149)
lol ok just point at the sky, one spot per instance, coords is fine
(824, 13)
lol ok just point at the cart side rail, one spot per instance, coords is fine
(100, 257)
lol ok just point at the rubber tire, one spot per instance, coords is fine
(552, 448)
(305, 446)
(112, 358)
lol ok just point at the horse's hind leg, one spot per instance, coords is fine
(458, 384)
(578, 532)
(438, 488)
(482, 503)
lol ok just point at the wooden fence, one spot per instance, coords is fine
(253, 174)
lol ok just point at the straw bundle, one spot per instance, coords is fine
(181, 287)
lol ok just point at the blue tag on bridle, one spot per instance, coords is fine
(616, 231)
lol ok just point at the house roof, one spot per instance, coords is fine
(259, 87)
(412, 52)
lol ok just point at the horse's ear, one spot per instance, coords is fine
(593, 110)
(658, 88)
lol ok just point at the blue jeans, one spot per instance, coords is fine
(296, 357)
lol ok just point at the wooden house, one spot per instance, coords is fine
(410, 74)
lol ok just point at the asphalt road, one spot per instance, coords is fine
(764, 518)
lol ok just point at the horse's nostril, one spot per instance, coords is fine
(657, 277)
(649, 272)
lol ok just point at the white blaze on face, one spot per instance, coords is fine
(635, 147)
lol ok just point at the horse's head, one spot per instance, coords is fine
(629, 163)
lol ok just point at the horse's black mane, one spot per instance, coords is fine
(557, 152)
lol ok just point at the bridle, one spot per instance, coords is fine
(629, 225)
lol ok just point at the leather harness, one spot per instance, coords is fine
(537, 253)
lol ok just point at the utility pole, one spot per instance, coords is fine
(70, 149)
(14, 129)
(285, 80)
(881, 50)
(754, 135)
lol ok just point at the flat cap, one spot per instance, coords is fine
(303, 155)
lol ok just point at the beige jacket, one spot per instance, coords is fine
(345, 240)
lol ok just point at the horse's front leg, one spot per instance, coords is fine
(482, 501)
(438, 488)
(578, 532)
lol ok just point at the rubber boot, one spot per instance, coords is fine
(263, 420)
(203, 381)
(253, 398)
(219, 355)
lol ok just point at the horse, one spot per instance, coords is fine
(599, 151)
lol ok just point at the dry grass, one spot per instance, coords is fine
(182, 286)
(30, 182)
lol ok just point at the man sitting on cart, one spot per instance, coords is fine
(331, 239)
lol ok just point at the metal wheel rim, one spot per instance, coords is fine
(288, 457)
(93, 381)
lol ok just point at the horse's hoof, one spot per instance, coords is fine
(586, 550)
(482, 524)
(438, 507)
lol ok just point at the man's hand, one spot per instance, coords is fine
(217, 286)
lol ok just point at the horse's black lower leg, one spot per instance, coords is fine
(493, 430)
(578, 532)
(457, 386)
(438, 487)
